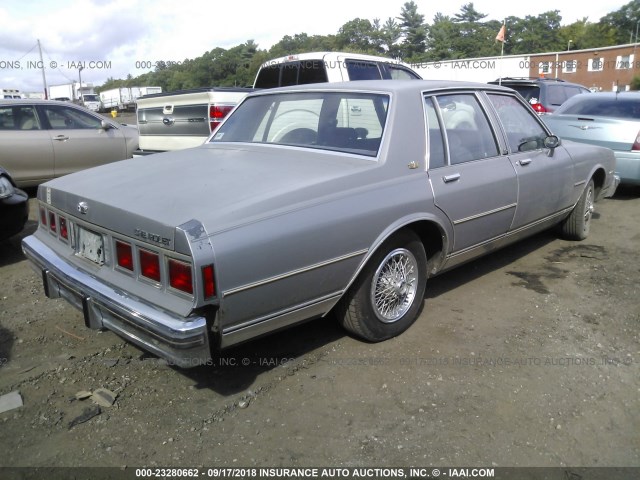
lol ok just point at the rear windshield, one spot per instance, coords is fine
(591, 105)
(528, 92)
(338, 121)
(291, 73)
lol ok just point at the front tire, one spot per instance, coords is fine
(387, 296)
(576, 226)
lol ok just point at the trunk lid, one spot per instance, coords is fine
(222, 186)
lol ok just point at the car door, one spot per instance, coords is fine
(79, 141)
(545, 176)
(473, 184)
(25, 147)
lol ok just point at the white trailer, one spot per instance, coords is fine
(83, 94)
(117, 99)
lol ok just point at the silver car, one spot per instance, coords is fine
(307, 200)
(45, 139)
(610, 120)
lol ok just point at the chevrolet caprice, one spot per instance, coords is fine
(308, 200)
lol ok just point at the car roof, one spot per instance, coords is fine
(387, 86)
(614, 94)
(31, 101)
(35, 101)
(324, 55)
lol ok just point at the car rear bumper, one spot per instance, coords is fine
(628, 167)
(610, 189)
(183, 342)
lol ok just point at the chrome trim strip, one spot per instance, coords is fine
(276, 278)
(577, 184)
(511, 232)
(260, 326)
(484, 214)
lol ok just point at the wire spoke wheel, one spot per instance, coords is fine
(388, 294)
(577, 225)
(394, 285)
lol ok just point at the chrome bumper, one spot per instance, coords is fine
(181, 341)
(612, 187)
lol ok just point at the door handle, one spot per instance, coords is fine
(524, 161)
(451, 178)
(61, 138)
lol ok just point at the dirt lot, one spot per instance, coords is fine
(528, 357)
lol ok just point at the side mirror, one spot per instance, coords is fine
(552, 141)
(104, 125)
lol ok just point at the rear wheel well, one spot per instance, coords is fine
(432, 238)
(598, 180)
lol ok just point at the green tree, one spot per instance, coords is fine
(441, 39)
(623, 24)
(534, 34)
(471, 36)
(358, 35)
(389, 35)
(414, 32)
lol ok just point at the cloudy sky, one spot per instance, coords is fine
(119, 35)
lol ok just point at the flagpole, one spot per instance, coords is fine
(503, 32)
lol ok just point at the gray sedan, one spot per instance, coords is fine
(44, 139)
(308, 200)
(610, 120)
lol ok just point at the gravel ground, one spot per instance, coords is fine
(527, 357)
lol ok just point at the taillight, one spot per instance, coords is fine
(208, 282)
(180, 276)
(150, 265)
(217, 114)
(538, 107)
(636, 144)
(124, 255)
(43, 216)
(52, 222)
(64, 230)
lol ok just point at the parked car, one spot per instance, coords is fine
(309, 199)
(544, 94)
(610, 120)
(44, 139)
(14, 206)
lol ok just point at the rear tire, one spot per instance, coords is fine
(388, 295)
(576, 226)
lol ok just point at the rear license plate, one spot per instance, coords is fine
(90, 246)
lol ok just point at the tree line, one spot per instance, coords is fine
(408, 38)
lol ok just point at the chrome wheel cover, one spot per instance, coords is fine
(394, 285)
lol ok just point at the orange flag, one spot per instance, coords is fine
(500, 36)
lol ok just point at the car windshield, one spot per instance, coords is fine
(617, 107)
(90, 98)
(339, 121)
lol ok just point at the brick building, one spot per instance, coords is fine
(606, 69)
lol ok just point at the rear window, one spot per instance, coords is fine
(360, 70)
(291, 73)
(591, 105)
(528, 92)
(556, 95)
(346, 122)
(268, 77)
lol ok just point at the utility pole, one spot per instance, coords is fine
(79, 85)
(44, 78)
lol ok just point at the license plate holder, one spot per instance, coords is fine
(91, 246)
